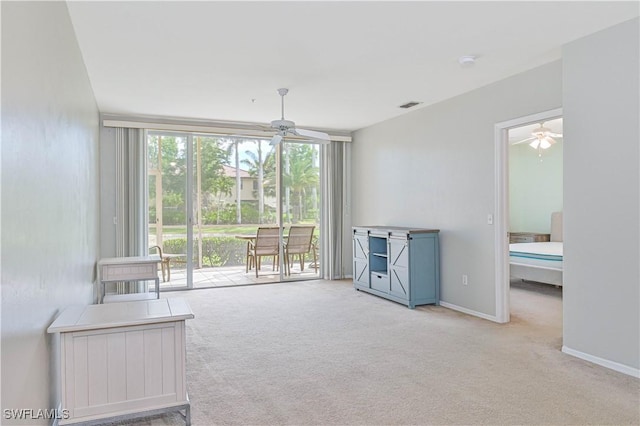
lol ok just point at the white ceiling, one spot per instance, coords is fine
(347, 64)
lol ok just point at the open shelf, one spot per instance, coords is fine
(378, 260)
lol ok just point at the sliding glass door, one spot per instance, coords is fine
(234, 194)
(213, 198)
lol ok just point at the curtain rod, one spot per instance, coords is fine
(217, 128)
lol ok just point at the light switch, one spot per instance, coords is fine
(490, 219)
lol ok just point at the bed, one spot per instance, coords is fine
(540, 262)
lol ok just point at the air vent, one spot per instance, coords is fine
(410, 104)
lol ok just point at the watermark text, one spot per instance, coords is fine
(35, 414)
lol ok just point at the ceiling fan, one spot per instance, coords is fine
(287, 127)
(541, 138)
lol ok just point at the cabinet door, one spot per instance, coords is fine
(399, 267)
(361, 259)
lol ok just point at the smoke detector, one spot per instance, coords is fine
(467, 60)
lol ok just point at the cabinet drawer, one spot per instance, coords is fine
(380, 282)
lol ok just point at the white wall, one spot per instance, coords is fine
(50, 203)
(601, 215)
(535, 187)
(434, 168)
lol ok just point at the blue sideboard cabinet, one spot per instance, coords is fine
(397, 263)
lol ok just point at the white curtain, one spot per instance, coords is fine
(335, 209)
(130, 199)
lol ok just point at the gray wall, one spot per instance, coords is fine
(602, 280)
(535, 187)
(50, 188)
(434, 168)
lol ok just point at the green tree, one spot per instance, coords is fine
(301, 177)
(255, 162)
(232, 145)
(215, 183)
(167, 156)
(269, 171)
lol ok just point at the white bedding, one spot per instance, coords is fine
(537, 261)
(546, 254)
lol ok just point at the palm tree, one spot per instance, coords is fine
(256, 169)
(233, 146)
(301, 176)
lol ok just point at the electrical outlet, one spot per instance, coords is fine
(465, 280)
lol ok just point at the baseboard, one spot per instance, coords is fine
(469, 311)
(621, 368)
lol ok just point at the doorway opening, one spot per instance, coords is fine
(502, 189)
(535, 222)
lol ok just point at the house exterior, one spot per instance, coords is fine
(248, 185)
(48, 108)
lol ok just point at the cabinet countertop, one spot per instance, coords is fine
(91, 317)
(406, 229)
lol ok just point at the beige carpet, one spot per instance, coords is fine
(321, 353)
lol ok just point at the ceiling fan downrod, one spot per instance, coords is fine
(282, 92)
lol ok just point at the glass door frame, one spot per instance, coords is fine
(188, 137)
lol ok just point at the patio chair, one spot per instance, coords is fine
(164, 263)
(299, 242)
(266, 244)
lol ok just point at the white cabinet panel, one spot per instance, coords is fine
(117, 383)
(134, 363)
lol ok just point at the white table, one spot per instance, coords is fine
(122, 361)
(134, 268)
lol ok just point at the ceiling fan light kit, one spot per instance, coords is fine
(541, 137)
(287, 127)
(540, 143)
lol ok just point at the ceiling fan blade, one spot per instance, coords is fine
(320, 136)
(276, 140)
(550, 140)
(524, 140)
(554, 135)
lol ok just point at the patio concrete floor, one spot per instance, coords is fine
(233, 275)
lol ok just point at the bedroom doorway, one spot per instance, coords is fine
(514, 211)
